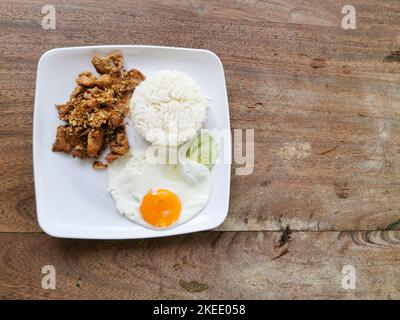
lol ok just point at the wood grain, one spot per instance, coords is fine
(293, 75)
(210, 265)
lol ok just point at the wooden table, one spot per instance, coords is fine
(325, 106)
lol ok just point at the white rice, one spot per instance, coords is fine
(168, 108)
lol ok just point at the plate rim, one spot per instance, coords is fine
(37, 184)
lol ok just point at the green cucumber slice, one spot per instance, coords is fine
(203, 149)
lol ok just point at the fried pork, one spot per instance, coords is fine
(95, 112)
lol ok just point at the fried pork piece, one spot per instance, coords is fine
(71, 140)
(77, 91)
(95, 142)
(104, 81)
(117, 113)
(131, 79)
(64, 110)
(86, 79)
(95, 112)
(118, 144)
(99, 165)
(109, 64)
(115, 119)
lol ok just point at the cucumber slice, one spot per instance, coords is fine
(203, 149)
(194, 145)
(195, 155)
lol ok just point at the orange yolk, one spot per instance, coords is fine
(160, 208)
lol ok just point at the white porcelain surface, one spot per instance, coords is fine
(71, 198)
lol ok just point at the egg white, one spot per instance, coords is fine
(131, 177)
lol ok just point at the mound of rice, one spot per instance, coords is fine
(168, 108)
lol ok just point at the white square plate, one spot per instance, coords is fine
(71, 198)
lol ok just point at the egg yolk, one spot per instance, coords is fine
(160, 208)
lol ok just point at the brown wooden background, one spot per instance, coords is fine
(325, 106)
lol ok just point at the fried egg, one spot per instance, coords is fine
(158, 196)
